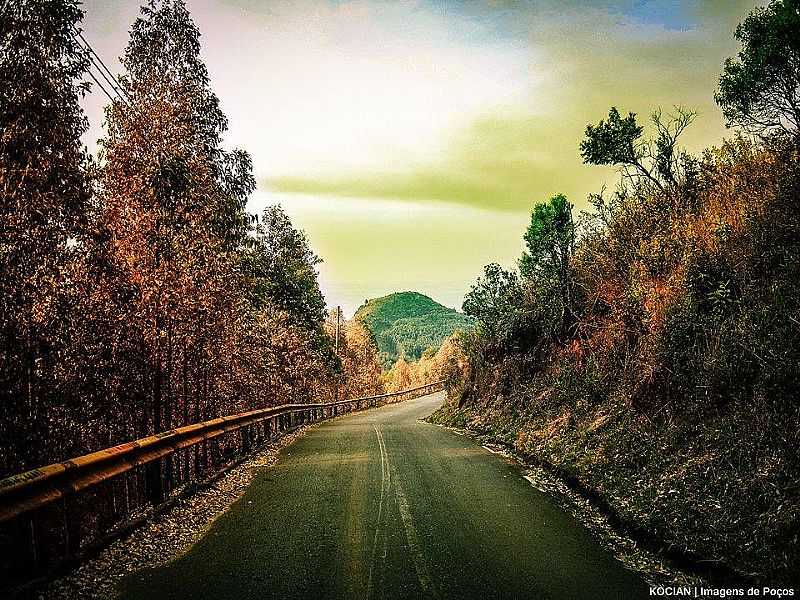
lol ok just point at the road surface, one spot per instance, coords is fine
(381, 505)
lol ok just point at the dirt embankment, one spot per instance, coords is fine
(717, 495)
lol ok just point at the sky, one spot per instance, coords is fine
(411, 138)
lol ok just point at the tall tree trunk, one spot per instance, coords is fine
(155, 483)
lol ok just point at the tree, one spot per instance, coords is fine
(400, 377)
(283, 269)
(173, 211)
(361, 364)
(493, 298)
(549, 239)
(657, 163)
(163, 63)
(550, 244)
(45, 196)
(759, 90)
(127, 302)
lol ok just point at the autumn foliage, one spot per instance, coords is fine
(670, 382)
(361, 367)
(649, 348)
(433, 365)
(137, 294)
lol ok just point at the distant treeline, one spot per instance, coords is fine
(136, 292)
(650, 348)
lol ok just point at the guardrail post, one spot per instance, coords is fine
(245, 439)
(155, 484)
(33, 541)
(127, 482)
(72, 531)
(197, 461)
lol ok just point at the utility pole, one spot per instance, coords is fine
(336, 350)
(338, 320)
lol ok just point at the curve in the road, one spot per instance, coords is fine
(381, 505)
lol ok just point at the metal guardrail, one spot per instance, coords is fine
(37, 488)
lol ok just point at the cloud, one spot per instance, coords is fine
(581, 59)
(372, 247)
(480, 105)
(360, 85)
(502, 161)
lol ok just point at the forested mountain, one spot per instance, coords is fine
(405, 324)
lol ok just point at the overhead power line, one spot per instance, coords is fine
(119, 93)
(105, 70)
(100, 85)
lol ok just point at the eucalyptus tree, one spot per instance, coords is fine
(282, 277)
(284, 269)
(174, 209)
(45, 194)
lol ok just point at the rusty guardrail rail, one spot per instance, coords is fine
(29, 491)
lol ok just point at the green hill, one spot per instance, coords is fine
(407, 323)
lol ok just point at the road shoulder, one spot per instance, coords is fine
(164, 537)
(655, 569)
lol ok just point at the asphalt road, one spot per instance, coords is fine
(381, 505)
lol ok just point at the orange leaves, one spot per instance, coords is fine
(654, 262)
(131, 311)
(573, 352)
(445, 363)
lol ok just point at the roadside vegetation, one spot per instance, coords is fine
(361, 374)
(137, 294)
(649, 349)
